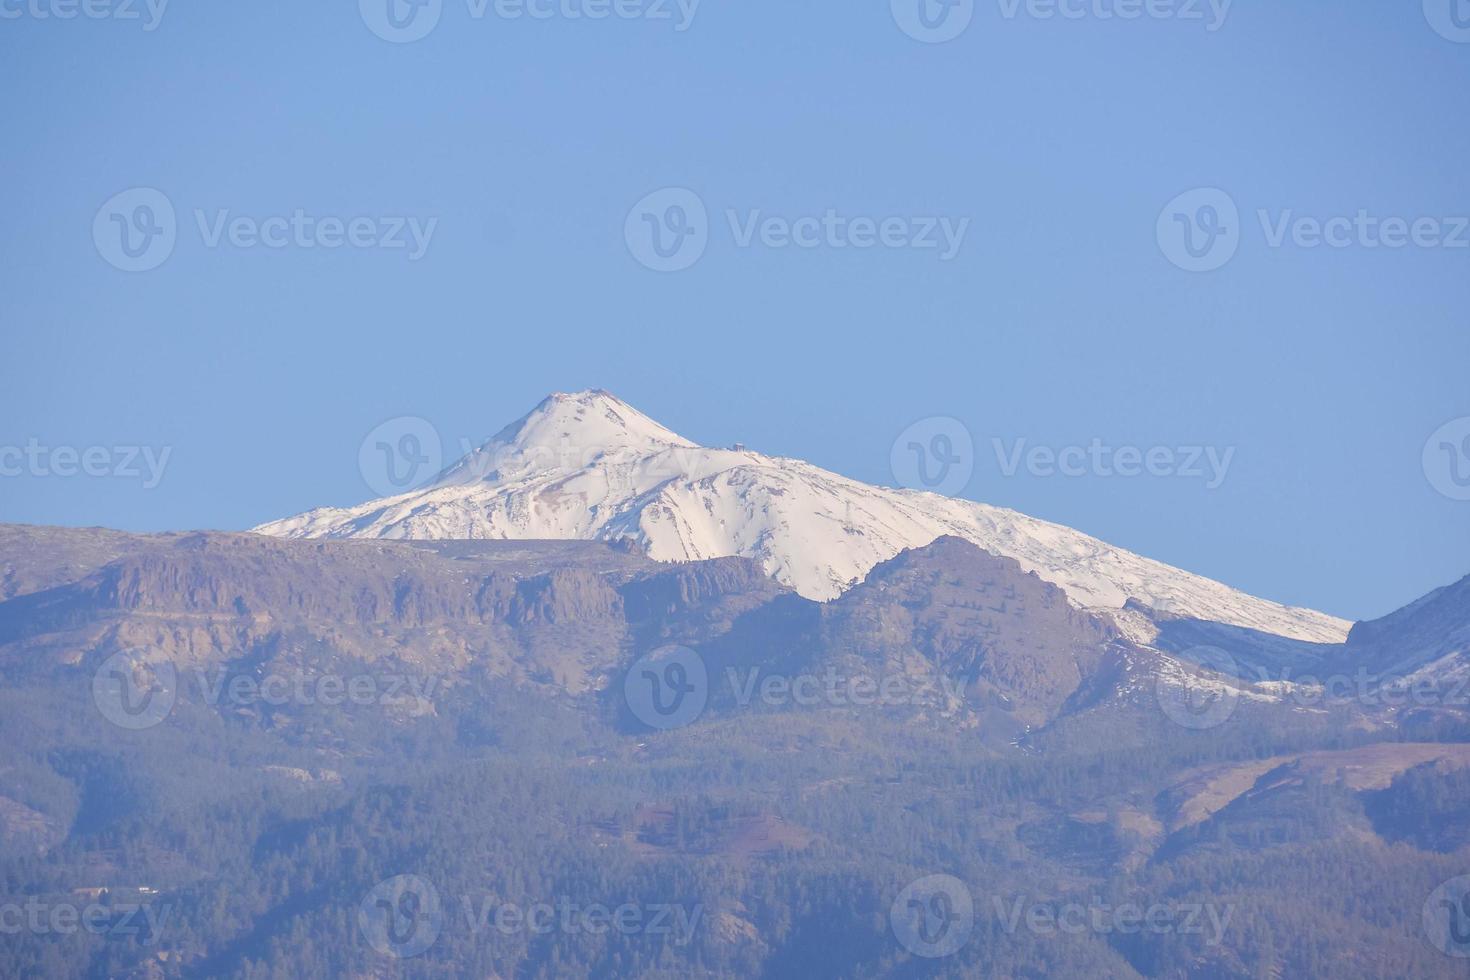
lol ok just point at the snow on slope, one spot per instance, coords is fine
(589, 466)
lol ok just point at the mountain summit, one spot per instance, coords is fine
(590, 466)
(593, 420)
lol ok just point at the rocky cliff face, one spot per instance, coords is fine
(562, 615)
(944, 631)
(969, 635)
(967, 613)
(561, 610)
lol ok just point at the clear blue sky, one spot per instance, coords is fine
(1060, 320)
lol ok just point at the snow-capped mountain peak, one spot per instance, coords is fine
(593, 418)
(564, 434)
(589, 466)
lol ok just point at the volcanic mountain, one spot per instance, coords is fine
(589, 466)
